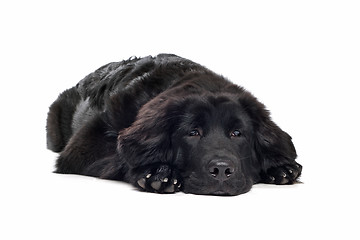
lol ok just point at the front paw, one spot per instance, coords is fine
(285, 174)
(159, 179)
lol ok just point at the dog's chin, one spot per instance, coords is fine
(215, 190)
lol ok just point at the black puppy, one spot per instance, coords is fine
(167, 124)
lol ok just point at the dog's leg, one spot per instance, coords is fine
(87, 150)
(59, 119)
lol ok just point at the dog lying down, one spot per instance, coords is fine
(167, 124)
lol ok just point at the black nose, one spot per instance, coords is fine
(221, 170)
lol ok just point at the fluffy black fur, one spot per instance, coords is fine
(167, 124)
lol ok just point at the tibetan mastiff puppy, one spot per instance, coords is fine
(167, 124)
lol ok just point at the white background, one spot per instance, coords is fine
(301, 58)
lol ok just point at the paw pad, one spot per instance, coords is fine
(286, 174)
(161, 180)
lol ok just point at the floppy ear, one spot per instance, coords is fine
(273, 147)
(148, 139)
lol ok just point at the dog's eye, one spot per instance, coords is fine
(194, 133)
(235, 133)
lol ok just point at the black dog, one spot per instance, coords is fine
(167, 124)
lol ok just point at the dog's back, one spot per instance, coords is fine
(115, 87)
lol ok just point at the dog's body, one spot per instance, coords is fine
(166, 124)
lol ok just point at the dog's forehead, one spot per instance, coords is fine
(216, 108)
(223, 104)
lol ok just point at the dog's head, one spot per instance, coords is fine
(219, 142)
